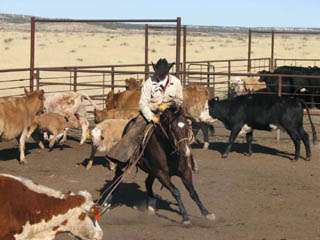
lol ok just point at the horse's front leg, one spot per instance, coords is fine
(166, 182)
(151, 201)
(186, 177)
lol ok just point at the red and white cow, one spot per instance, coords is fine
(70, 103)
(29, 211)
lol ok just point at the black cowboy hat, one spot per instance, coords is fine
(161, 69)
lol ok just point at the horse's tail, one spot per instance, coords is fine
(314, 133)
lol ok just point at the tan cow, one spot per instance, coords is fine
(104, 136)
(101, 115)
(30, 211)
(55, 124)
(123, 100)
(133, 83)
(16, 116)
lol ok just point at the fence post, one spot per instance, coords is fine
(112, 80)
(208, 74)
(103, 89)
(229, 77)
(184, 53)
(249, 51)
(178, 46)
(32, 50)
(146, 49)
(279, 94)
(272, 51)
(75, 80)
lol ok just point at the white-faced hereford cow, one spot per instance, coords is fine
(16, 116)
(29, 211)
(70, 103)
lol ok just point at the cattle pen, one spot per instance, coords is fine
(263, 196)
(98, 80)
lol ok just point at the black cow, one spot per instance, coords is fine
(263, 112)
(305, 88)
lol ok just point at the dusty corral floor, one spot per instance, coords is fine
(265, 196)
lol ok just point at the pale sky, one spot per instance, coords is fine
(265, 13)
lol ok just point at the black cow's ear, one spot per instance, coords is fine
(154, 67)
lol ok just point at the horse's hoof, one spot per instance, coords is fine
(308, 158)
(224, 156)
(211, 216)
(294, 159)
(22, 162)
(186, 222)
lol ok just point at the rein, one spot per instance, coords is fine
(131, 164)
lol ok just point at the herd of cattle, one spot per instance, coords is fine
(49, 116)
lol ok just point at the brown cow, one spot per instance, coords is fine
(133, 83)
(54, 124)
(123, 100)
(16, 116)
(29, 211)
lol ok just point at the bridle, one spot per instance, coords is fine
(176, 142)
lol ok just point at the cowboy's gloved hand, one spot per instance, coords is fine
(163, 106)
(155, 119)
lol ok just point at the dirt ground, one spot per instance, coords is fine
(263, 197)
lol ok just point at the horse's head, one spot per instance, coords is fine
(177, 127)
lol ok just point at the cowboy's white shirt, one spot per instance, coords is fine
(154, 93)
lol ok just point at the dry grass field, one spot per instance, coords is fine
(68, 44)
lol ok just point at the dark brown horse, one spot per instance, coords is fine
(167, 154)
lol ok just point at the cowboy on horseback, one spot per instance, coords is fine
(157, 93)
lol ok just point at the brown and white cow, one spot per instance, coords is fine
(16, 116)
(29, 211)
(54, 124)
(105, 135)
(70, 103)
